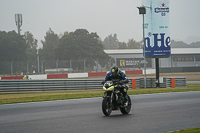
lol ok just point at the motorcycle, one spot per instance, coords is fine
(113, 98)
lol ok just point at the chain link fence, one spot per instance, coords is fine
(51, 66)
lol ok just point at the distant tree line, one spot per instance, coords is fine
(78, 45)
(111, 42)
(181, 44)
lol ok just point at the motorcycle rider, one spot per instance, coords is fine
(115, 73)
(25, 77)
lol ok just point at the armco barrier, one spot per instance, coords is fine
(80, 84)
(49, 85)
(167, 82)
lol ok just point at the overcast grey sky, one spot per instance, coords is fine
(104, 17)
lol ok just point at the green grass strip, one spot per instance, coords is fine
(191, 130)
(62, 95)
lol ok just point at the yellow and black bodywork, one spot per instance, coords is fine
(113, 98)
(108, 86)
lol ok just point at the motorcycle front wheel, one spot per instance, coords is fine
(126, 109)
(106, 106)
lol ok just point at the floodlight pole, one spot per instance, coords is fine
(142, 10)
(11, 68)
(70, 63)
(144, 56)
(57, 65)
(84, 65)
(18, 20)
(38, 60)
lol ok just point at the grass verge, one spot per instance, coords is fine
(191, 130)
(49, 96)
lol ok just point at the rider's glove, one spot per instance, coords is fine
(120, 82)
(102, 82)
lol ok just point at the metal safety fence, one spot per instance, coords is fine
(53, 66)
(20, 86)
(165, 83)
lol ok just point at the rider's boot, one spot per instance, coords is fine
(125, 96)
(126, 100)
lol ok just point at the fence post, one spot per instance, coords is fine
(173, 84)
(134, 83)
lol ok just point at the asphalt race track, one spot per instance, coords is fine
(151, 113)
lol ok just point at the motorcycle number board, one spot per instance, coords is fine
(157, 28)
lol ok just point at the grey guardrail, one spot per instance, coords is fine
(151, 82)
(75, 84)
(49, 84)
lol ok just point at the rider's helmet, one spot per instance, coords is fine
(114, 71)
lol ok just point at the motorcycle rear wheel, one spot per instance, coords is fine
(106, 106)
(126, 109)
